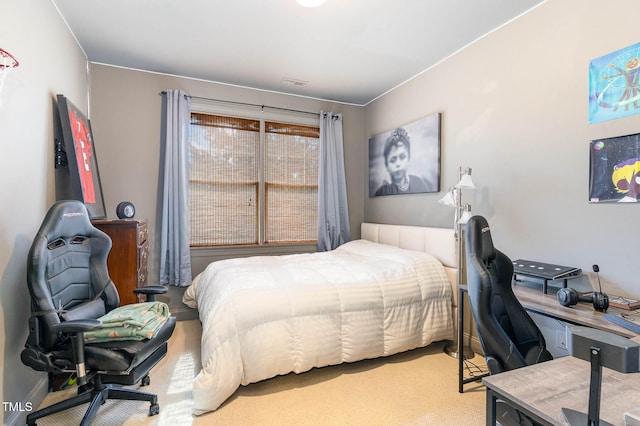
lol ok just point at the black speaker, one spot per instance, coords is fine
(125, 210)
(569, 297)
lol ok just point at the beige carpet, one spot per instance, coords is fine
(414, 388)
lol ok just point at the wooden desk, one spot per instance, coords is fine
(542, 390)
(534, 300)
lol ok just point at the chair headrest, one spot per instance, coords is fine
(66, 219)
(479, 239)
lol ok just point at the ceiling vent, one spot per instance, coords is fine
(294, 82)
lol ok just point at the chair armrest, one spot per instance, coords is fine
(151, 291)
(77, 329)
(77, 326)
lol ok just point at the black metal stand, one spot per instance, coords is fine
(576, 418)
(457, 349)
(544, 271)
(462, 352)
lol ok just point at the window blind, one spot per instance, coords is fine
(228, 206)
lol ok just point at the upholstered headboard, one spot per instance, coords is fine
(439, 242)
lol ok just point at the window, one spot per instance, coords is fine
(252, 181)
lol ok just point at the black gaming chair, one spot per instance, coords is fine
(70, 288)
(509, 337)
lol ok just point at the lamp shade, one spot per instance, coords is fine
(466, 215)
(449, 198)
(466, 182)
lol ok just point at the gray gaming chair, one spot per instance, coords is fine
(70, 288)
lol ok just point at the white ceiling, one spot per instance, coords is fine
(349, 51)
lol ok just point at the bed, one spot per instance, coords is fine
(389, 292)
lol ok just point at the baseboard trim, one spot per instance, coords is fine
(474, 343)
(35, 397)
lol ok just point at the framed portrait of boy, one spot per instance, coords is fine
(406, 160)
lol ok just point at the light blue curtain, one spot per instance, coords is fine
(333, 213)
(175, 256)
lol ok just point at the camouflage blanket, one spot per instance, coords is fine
(137, 321)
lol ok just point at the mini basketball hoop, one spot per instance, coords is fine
(7, 63)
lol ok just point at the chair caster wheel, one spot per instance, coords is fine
(154, 409)
(146, 381)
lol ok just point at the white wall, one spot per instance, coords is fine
(515, 108)
(50, 63)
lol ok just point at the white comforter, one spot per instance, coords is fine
(270, 315)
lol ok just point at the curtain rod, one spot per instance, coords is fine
(249, 104)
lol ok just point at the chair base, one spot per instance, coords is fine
(96, 396)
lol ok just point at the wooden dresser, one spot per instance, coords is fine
(127, 261)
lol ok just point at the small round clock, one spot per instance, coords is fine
(125, 210)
